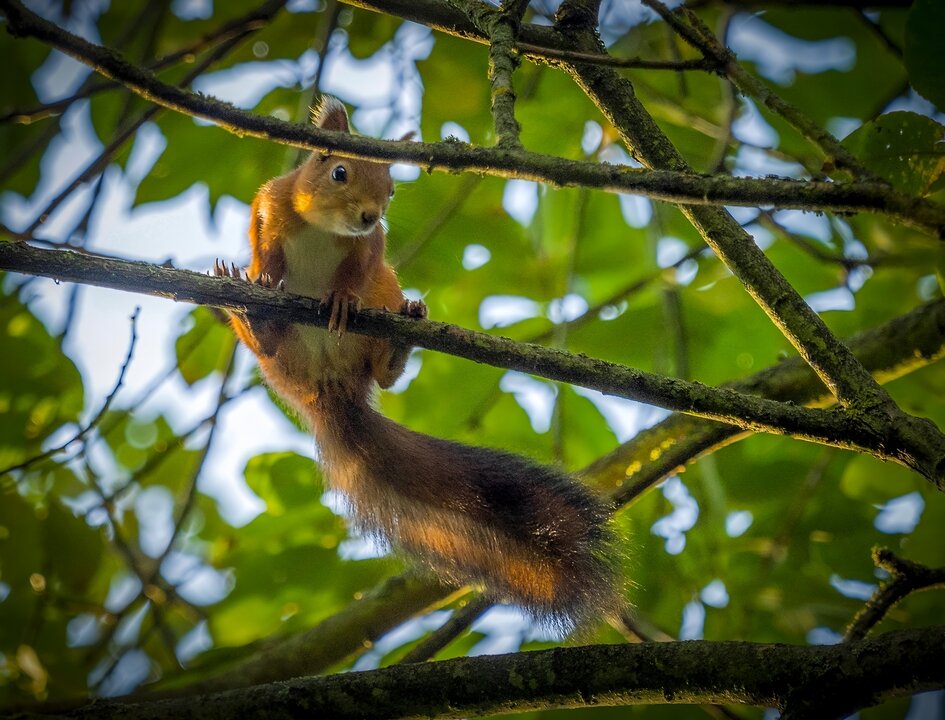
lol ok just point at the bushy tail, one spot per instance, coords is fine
(530, 534)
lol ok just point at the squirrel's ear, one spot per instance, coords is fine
(331, 114)
(408, 136)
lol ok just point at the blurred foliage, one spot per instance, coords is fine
(783, 528)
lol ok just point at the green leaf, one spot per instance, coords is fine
(455, 74)
(284, 481)
(206, 346)
(224, 163)
(40, 388)
(22, 145)
(73, 550)
(869, 480)
(369, 32)
(924, 52)
(905, 148)
(846, 91)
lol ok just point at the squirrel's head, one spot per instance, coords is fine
(344, 196)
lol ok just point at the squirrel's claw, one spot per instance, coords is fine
(414, 308)
(340, 302)
(220, 269)
(233, 271)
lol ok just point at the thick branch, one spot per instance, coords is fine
(830, 427)
(501, 29)
(461, 619)
(667, 185)
(837, 679)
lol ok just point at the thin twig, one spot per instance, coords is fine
(633, 63)
(877, 30)
(461, 619)
(326, 29)
(226, 32)
(633, 287)
(186, 502)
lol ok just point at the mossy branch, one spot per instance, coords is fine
(830, 427)
(836, 679)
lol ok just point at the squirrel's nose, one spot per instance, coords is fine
(369, 217)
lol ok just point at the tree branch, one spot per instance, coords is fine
(461, 619)
(831, 427)
(837, 679)
(501, 29)
(673, 186)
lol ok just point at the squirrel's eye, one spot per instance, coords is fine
(392, 192)
(339, 174)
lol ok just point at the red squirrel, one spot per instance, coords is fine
(528, 533)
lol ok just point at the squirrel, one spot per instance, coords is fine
(529, 533)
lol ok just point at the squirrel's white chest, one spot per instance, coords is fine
(311, 258)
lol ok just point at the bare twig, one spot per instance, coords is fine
(322, 44)
(461, 619)
(633, 63)
(130, 128)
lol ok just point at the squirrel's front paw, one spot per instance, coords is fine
(340, 302)
(221, 270)
(414, 308)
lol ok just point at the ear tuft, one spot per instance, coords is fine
(331, 114)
